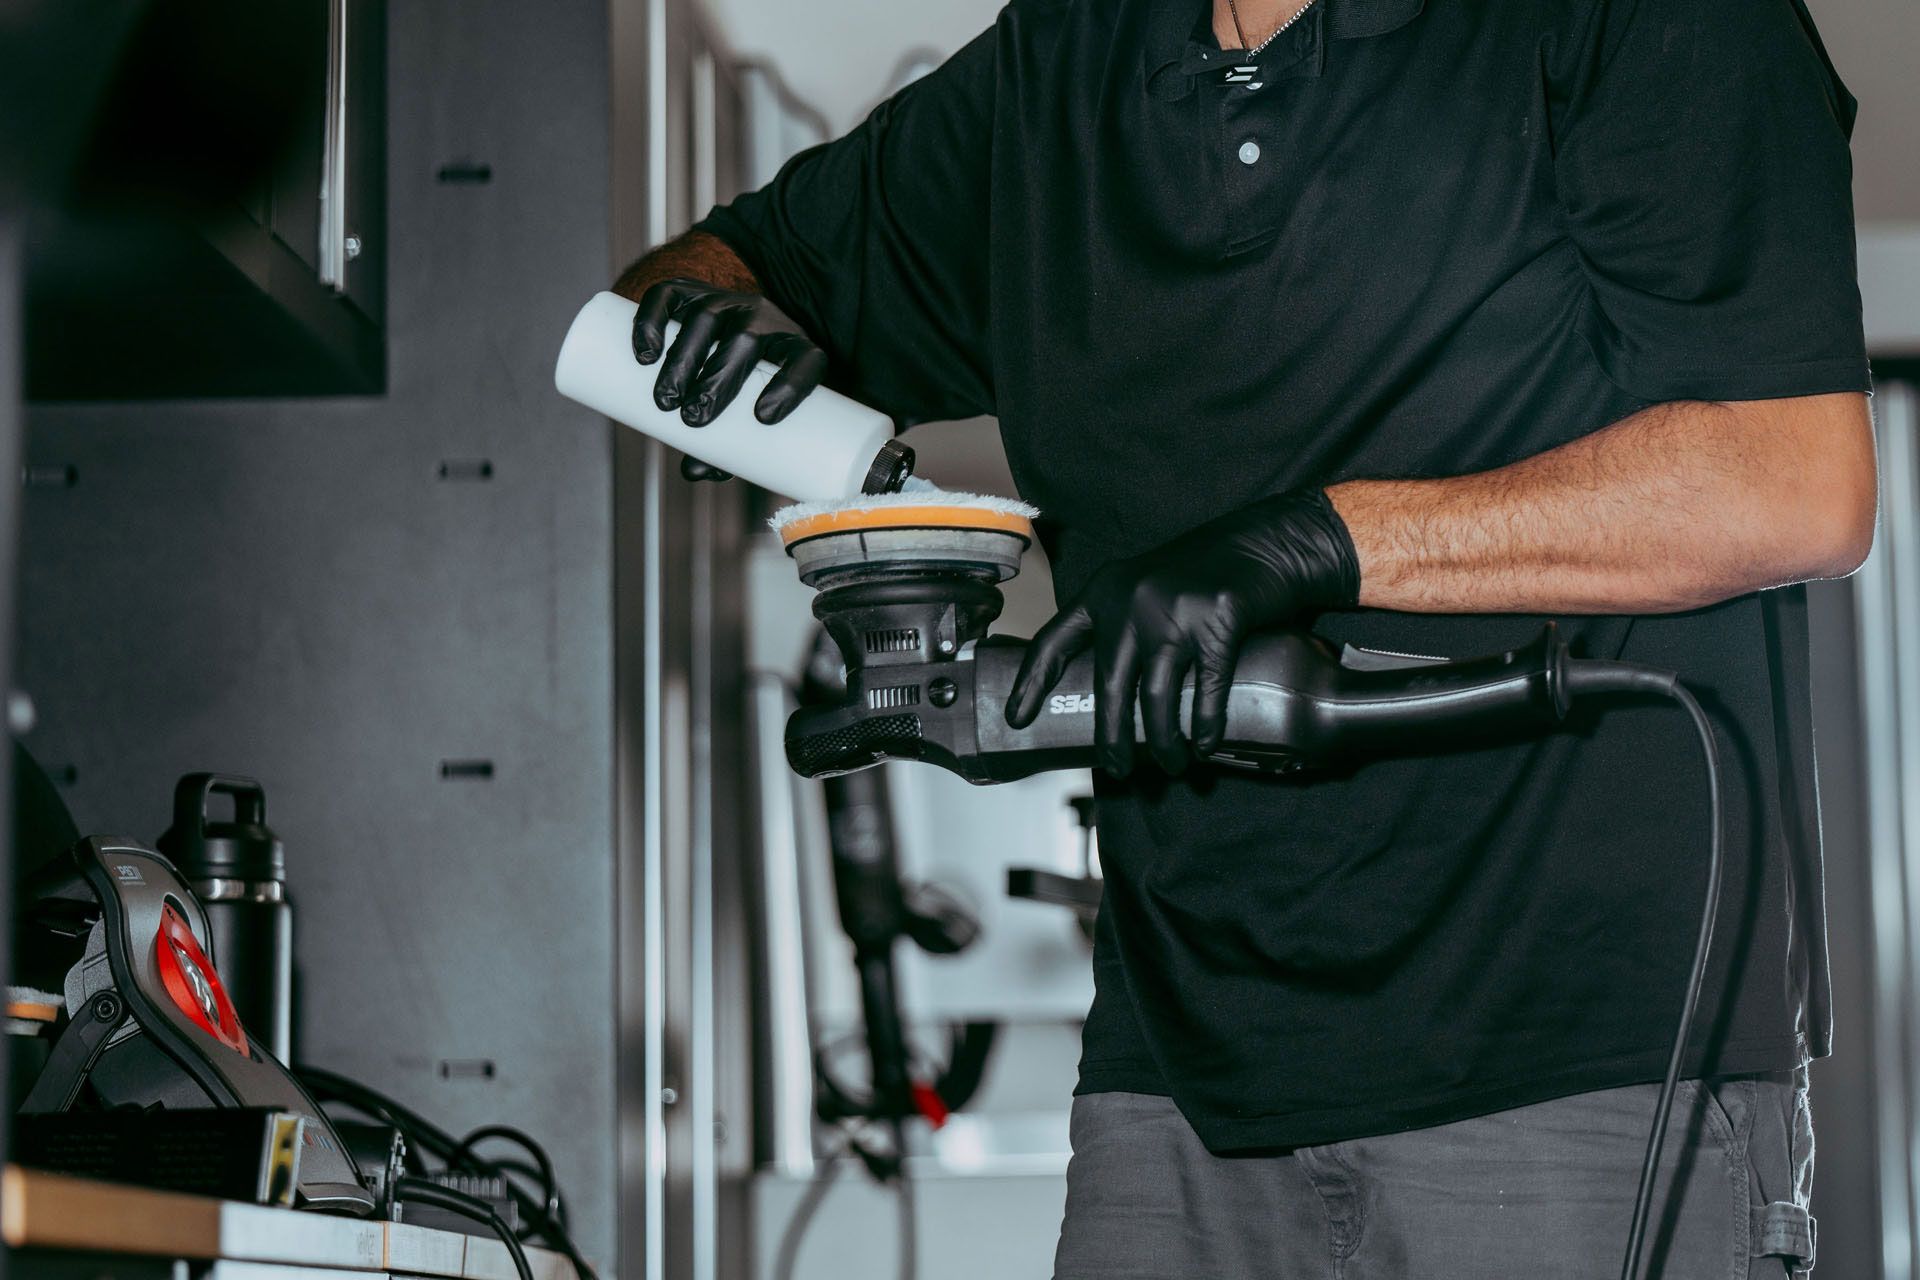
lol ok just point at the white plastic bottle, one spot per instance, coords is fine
(828, 447)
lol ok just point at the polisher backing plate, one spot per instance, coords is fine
(915, 530)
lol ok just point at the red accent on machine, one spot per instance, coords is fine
(928, 1102)
(190, 980)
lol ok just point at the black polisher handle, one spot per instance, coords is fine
(1295, 704)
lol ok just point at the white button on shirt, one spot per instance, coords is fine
(1249, 151)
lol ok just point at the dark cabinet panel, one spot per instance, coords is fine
(223, 233)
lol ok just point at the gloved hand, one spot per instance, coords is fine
(722, 335)
(1186, 607)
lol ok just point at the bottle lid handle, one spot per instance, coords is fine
(192, 793)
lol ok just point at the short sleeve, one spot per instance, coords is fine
(877, 244)
(1701, 159)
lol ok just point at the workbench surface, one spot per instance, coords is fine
(40, 1210)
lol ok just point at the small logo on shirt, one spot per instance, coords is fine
(1067, 704)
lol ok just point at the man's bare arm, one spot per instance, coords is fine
(693, 256)
(1679, 506)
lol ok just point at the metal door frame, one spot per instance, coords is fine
(680, 781)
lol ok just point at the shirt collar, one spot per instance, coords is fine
(1172, 25)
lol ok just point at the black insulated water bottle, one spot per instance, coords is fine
(238, 870)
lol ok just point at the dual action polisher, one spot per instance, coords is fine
(909, 581)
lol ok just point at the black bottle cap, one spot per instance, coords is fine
(244, 848)
(890, 469)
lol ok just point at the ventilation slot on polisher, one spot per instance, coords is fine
(895, 640)
(856, 745)
(899, 695)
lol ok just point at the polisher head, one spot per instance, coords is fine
(921, 530)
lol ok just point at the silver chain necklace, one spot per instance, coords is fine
(1234, 10)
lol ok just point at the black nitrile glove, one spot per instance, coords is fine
(722, 335)
(1185, 607)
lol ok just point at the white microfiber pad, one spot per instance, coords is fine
(915, 493)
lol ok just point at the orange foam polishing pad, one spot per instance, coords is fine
(930, 515)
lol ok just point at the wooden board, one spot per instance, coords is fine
(53, 1211)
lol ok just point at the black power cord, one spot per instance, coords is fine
(554, 1208)
(787, 1256)
(424, 1136)
(1696, 978)
(793, 1235)
(420, 1191)
(903, 1196)
(969, 1047)
(1592, 676)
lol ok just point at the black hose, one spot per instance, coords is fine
(970, 1046)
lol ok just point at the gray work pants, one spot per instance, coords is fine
(1541, 1192)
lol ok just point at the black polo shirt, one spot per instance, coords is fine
(1409, 241)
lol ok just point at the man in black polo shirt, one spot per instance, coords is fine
(1422, 321)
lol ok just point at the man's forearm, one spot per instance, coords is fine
(693, 256)
(1679, 506)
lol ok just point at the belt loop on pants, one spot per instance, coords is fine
(1785, 1230)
